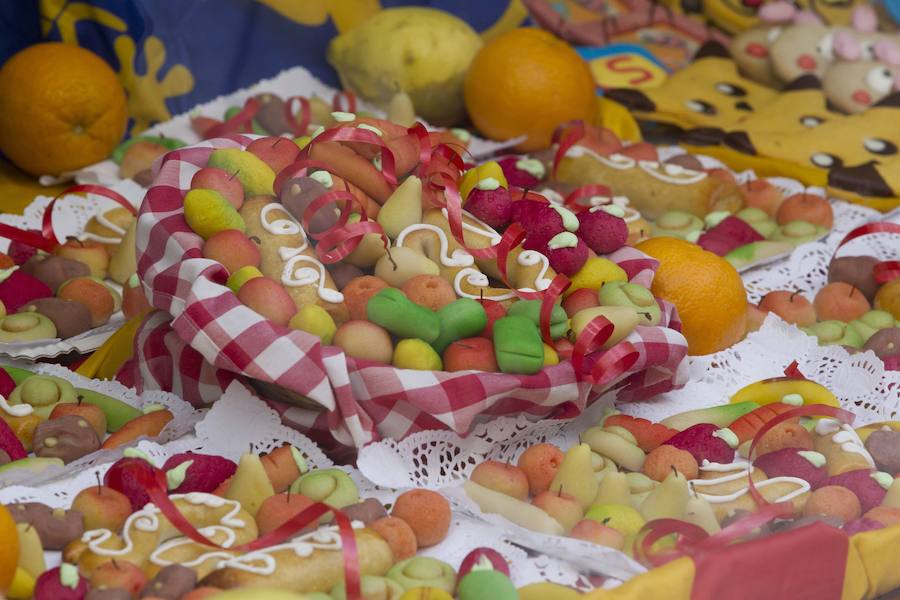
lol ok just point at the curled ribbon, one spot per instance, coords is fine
(153, 480)
(341, 239)
(47, 239)
(363, 136)
(586, 191)
(241, 122)
(886, 270)
(344, 96)
(298, 128)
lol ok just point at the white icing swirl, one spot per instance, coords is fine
(530, 258)
(477, 279)
(19, 410)
(663, 173)
(615, 160)
(483, 230)
(288, 226)
(460, 257)
(291, 276)
(743, 469)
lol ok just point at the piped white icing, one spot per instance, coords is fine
(681, 176)
(483, 229)
(286, 226)
(292, 276)
(460, 257)
(615, 160)
(743, 469)
(19, 410)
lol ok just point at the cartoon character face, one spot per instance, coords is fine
(855, 86)
(803, 50)
(846, 141)
(708, 93)
(751, 51)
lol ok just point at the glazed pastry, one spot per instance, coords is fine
(287, 257)
(843, 449)
(653, 188)
(109, 227)
(725, 487)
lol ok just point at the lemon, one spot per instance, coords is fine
(594, 273)
(424, 52)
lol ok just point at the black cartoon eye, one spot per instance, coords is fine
(880, 146)
(701, 107)
(880, 79)
(729, 89)
(811, 121)
(825, 161)
(743, 106)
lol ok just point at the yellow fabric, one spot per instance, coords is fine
(106, 361)
(617, 119)
(17, 189)
(671, 581)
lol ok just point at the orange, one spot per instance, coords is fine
(9, 549)
(527, 82)
(706, 290)
(61, 108)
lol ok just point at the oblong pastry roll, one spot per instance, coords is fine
(288, 257)
(652, 187)
(309, 563)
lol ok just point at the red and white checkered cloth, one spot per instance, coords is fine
(205, 338)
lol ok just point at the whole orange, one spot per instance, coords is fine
(9, 549)
(527, 82)
(61, 108)
(706, 290)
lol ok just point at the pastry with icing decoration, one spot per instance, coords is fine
(287, 257)
(108, 228)
(844, 451)
(149, 540)
(652, 187)
(725, 487)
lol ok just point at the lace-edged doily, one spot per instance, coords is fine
(860, 381)
(240, 420)
(184, 418)
(70, 216)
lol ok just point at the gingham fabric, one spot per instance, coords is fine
(204, 337)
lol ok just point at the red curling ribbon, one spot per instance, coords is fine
(453, 204)
(344, 96)
(153, 480)
(809, 410)
(793, 371)
(566, 135)
(298, 128)
(236, 124)
(511, 238)
(363, 136)
(883, 271)
(586, 191)
(611, 364)
(556, 288)
(693, 539)
(298, 168)
(516, 194)
(423, 140)
(47, 240)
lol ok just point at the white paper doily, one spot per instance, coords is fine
(184, 418)
(70, 216)
(240, 419)
(859, 381)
